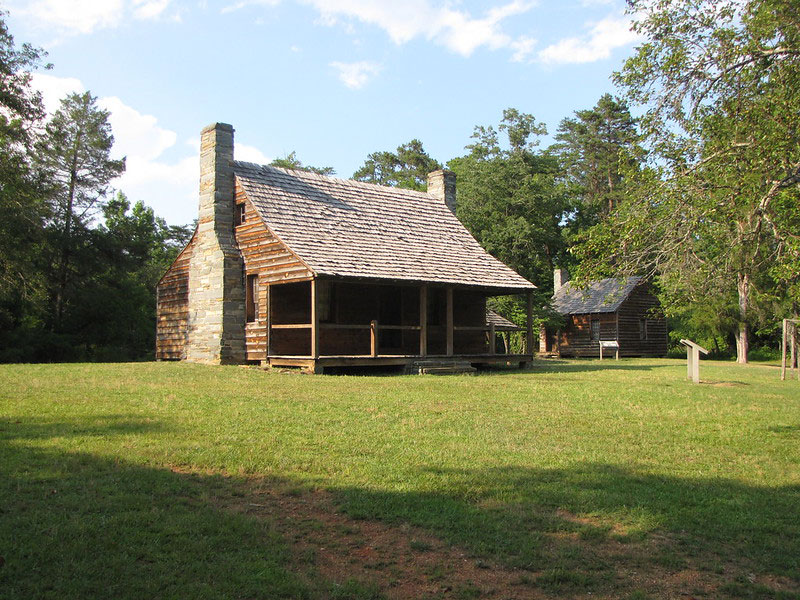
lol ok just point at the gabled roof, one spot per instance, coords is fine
(604, 296)
(348, 228)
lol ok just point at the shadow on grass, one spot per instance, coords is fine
(510, 514)
(74, 524)
(554, 365)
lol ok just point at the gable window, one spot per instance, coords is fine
(642, 329)
(251, 300)
(594, 330)
(240, 213)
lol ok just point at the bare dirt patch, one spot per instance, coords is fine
(402, 561)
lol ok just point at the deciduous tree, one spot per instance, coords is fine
(720, 82)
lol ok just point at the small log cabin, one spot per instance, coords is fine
(291, 268)
(623, 310)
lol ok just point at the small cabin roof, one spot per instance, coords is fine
(603, 296)
(345, 228)
(500, 323)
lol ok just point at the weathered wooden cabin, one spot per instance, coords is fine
(622, 310)
(291, 268)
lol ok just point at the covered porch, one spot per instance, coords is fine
(332, 322)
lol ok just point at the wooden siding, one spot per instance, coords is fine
(641, 304)
(622, 326)
(268, 258)
(172, 308)
(575, 338)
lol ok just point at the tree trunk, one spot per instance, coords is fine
(66, 242)
(742, 333)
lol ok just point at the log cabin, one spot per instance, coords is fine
(622, 310)
(292, 268)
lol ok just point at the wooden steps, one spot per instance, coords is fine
(443, 367)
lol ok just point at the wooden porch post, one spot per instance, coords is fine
(268, 302)
(314, 321)
(449, 338)
(373, 338)
(529, 341)
(492, 341)
(423, 320)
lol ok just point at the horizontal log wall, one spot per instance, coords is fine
(641, 305)
(575, 339)
(172, 308)
(268, 258)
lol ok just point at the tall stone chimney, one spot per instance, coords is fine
(216, 292)
(560, 277)
(442, 184)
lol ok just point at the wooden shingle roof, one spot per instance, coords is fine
(500, 322)
(346, 228)
(603, 296)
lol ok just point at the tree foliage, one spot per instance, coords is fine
(22, 208)
(74, 156)
(599, 150)
(720, 82)
(509, 199)
(290, 161)
(407, 167)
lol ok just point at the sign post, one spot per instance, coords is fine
(693, 359)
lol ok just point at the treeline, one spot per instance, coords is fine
(700, 193)
(78, 269)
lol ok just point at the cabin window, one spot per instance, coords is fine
(594, 330)
(251, 301)
(642, 329)
(240, 213)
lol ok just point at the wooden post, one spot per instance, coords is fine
(492, 340)
(373, 338)
(689, 366)
(529, 341)
(601, 350)
(423, 320)
(507, 342)
(269, 319)
(314, 320)
(783, 350)
(449, 333)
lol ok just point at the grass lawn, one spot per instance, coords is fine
(576, 479)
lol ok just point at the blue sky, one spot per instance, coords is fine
(333, 80)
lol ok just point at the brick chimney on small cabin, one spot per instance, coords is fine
(560, 278)
(442, 185)
(216, 317)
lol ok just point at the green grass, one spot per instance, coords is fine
(111, 476)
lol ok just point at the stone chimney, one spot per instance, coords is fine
(216, 292)
(560, 277)
(442, 184)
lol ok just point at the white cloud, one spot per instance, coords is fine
(355, 75)
(250, 154)
(53, 89)
(245, 3)
(149, 9)
(85, 16)
(456, 30)
(603, 37)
